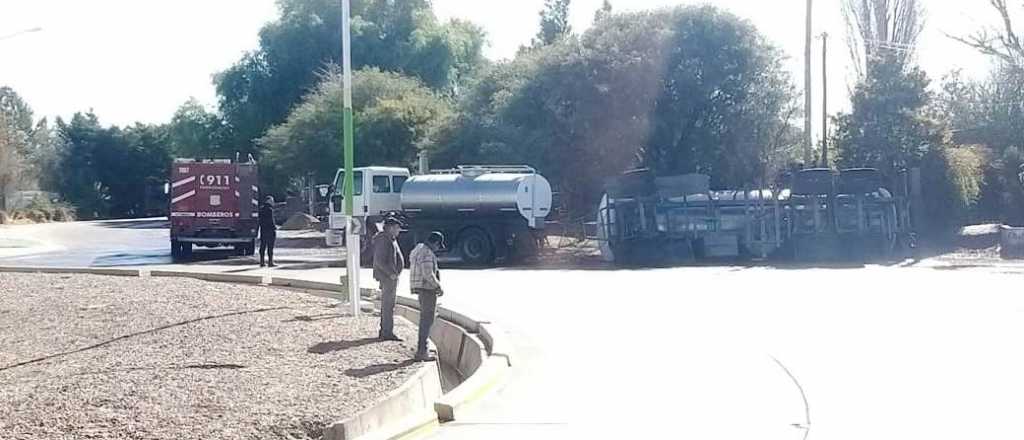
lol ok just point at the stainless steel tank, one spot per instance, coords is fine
(481, 192)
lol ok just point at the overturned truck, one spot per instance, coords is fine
(815, 215)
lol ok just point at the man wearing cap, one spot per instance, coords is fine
(425, 281)
(387, 266)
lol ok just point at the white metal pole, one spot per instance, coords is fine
(352, 246)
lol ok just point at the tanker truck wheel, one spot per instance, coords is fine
(475, 246)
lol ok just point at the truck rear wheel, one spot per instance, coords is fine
(475, 247)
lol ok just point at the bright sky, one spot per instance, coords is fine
(138, 60)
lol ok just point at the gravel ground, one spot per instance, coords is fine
(96, 357)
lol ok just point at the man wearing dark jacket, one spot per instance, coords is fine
(387, 266)
(267, 230)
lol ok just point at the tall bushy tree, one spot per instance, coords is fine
(990, 112)
(554, 22)
(604, 11)
(104, 171)
(892, 127)
(396, 117)
(26, 147)
(399, 36)
(689, 89)
(79, 183)
(197, 132)
(888, 126)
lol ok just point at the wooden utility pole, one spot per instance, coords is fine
(808, 160)
(824, 99)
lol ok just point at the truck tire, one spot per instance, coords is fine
(476, 247)
(175, 250)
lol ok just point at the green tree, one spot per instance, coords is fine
(990, 112)
(104, 171)
(79, 183)
(400, 36)
(604, 12)
(689, 89)
(137, 156)
(893, 126)
(554, 22)
(26, 145)
(396, 117)
(198, 133)
(889, 127)
(15, 112)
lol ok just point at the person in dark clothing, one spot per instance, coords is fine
(387, 266)
(267, 231)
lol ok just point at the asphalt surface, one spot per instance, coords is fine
(138, 242)
(732, 352)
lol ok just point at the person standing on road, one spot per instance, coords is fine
(425, 281)
(387, 266)
(267, 231)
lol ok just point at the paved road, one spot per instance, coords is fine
(880, 352)
(141, 242)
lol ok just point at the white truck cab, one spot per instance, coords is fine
(375, 192)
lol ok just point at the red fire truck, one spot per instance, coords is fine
(213, 203)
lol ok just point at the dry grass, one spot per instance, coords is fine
(159, 358)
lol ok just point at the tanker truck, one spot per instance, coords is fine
(487, 213)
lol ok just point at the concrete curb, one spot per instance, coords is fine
(210, 276)
(403, 411)
(471, 325)
(495, 340)
(304, 284)
(471, 353)
(490, 373)
(72, 270)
